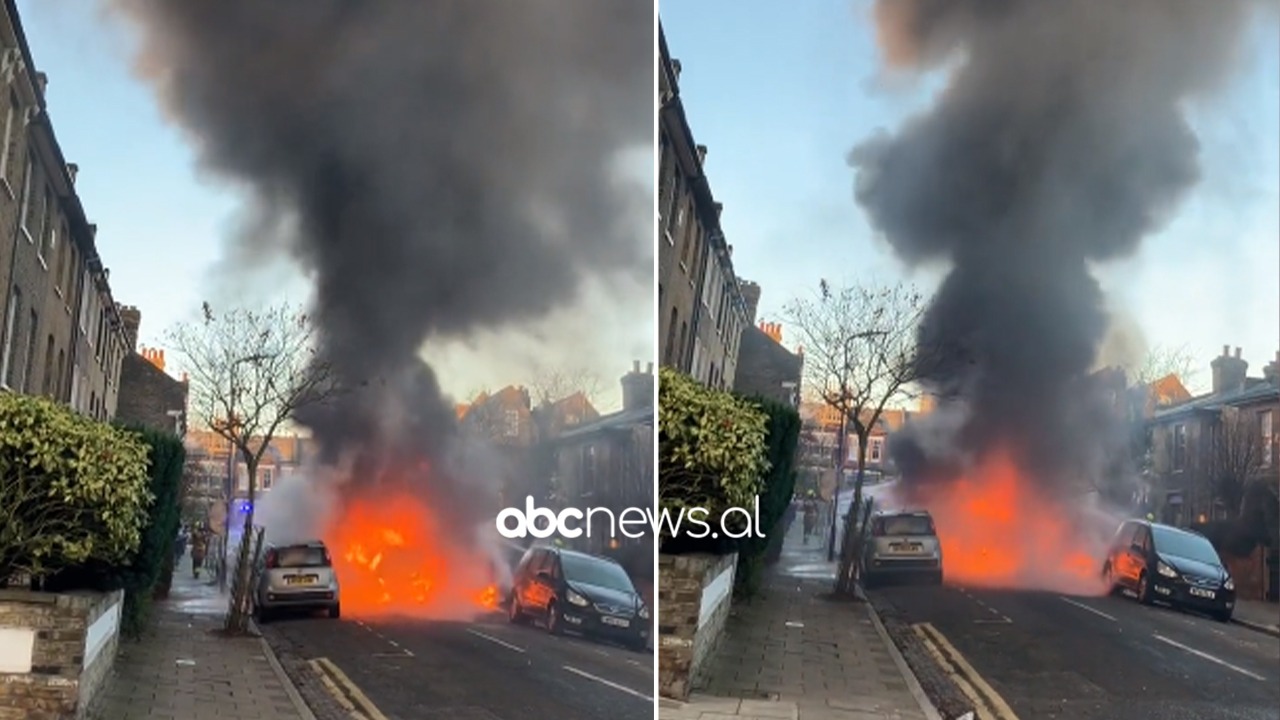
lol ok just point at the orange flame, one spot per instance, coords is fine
(392, 558)
(1000, 531)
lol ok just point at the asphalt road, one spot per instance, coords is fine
(487, 670)
(1098, 658)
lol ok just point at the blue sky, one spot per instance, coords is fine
(779, 92)
(161, 221)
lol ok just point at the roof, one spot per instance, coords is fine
(621, 420)
(1254, 391)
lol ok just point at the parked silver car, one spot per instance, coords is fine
(902, 545)
(298, 576)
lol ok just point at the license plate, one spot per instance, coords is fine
(616, 622)
(1202, 593)
(300, 579)
(906, 547)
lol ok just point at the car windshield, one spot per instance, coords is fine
(594, 571)
(1185, 545)
(903, 525)
(302, 557)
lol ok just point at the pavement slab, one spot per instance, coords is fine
(794, 652)
(182, 668)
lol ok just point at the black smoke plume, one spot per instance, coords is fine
(1060, 141)
(438, 166)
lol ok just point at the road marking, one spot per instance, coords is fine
(358, 705)
(1082, 606)
(1207, 656)
(608, 683)
(495, 640)
(989, 704)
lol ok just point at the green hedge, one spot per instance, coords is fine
(72, 491)
(712, 456)
(781, 438)
(142, 576)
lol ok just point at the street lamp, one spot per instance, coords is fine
(233, 399)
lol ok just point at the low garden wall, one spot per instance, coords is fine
(695, 593)
(56, 652)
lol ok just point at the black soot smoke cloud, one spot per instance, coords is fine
(438, 167)
(1060, 140)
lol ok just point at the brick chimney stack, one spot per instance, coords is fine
(637, 387)
(1272, 371)
(1229, 372)
(132, 318)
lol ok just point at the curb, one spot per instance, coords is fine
(290, 689)
(913, 683)
(1271, 630)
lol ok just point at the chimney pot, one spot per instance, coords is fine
(635, 366)
(1226, 351)
(1237, 353)
(648, 369)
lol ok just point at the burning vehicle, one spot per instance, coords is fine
(1059, 142)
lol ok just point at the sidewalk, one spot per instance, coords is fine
(181, 670)
(1258, 615)
(790, 653)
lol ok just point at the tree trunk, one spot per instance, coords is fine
(242, 591)
(851, 547)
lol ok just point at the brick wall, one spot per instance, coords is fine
(147, 394)
(1249, 574)
(50, 681)
(687, 639)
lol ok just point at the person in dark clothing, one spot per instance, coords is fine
(199, 545)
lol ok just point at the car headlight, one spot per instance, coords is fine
(576, 599)
(1229, 584)
(1166, 571)
(644, 611)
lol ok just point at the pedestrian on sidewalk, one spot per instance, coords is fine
(199, 545)
(810, 515)
(180, 546)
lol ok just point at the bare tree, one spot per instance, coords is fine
(249, 373)
(860, 356)
(1164, 360)
(557, 383)
(1236, 455)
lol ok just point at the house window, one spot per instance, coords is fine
(25, 207)
(49, 240)
(86, 293)
(513, 423)
(60, 383)
(10, 329)
(265, 478)
(48, 366)
(10, 115)
(1268, 438)
(29, 362)
(1179, 447)
(874, 450)
(38, 227)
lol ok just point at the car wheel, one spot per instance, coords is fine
(1144, 589)
(335, 611)
(553, 618)
(515, 615)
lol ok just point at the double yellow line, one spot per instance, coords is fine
(988, 705)
(355, 702)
